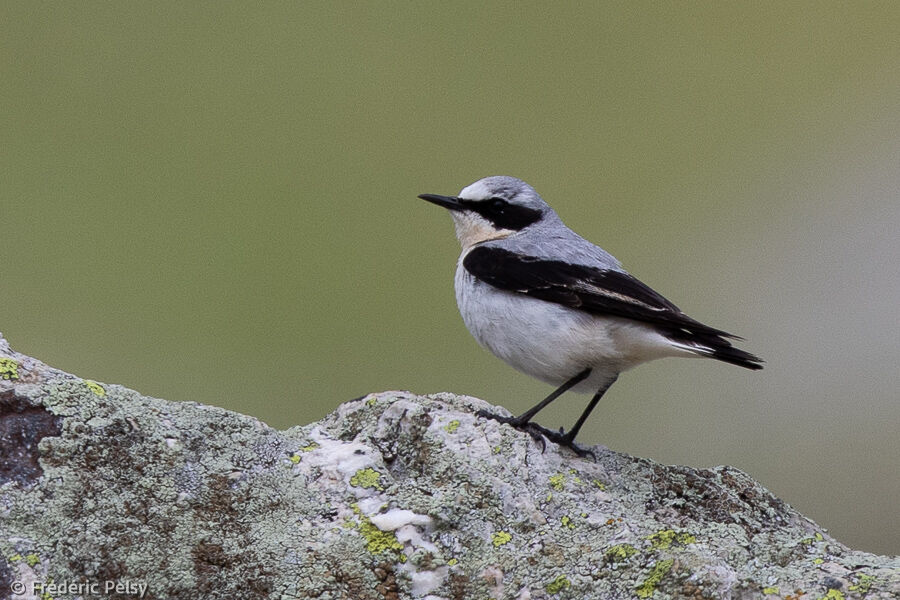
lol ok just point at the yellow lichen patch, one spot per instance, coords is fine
(862, 585)
(32, 559)
(309, 448)
(453, 561)
(768, 591)
(452, 426)
(567, 522)
(295, 458)
(664, 539)
(662, 568)
(600, 484)
(378, 541)
(575, 476)
(833, 595)
(95, 387)
(557, 481)
(620, 552)
(557, 585)
(500, 538)
(366, 478)
(46, 595)
(9, 369)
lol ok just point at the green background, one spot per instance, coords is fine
(217, 202)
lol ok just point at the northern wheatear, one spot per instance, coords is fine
(557, 307)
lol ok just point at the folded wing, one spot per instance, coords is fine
(601, 292)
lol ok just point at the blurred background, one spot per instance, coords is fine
(217, 202)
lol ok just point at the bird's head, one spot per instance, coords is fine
(492, 208)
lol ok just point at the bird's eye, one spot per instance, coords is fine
(498, 203)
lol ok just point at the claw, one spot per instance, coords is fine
(535, 431)
(539, 434)
(567, 441)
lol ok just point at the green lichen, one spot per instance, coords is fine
(575, 476)
(600, 484)
(768, 591)
(295, 458)
(371, 402)
(620, 553)
(496, 449)
(862, 585)
(366, 478)
(662, 540)
(662, 568)
(95, 387)
(832, 594)
(818, 561)
(500, 538)
(32, 559)
(9, 369)
(46, 595)
(453, 561)
(378, 541)
(557, 481)
(15, 558)
(557, 585)
(452, 426)
(567, 522)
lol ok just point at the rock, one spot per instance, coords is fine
(391, 496)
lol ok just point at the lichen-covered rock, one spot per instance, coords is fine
(391, 496)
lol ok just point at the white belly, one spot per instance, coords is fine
(551, 342)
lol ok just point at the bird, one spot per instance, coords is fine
(557, 307)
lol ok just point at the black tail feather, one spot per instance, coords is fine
(714, 345)
(737, 357)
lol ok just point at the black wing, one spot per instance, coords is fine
(598, 291)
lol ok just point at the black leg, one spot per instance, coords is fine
(574, 431)
(523, 420)
(568, 438)
(529, 414)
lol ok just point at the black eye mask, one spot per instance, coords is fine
(503, 214)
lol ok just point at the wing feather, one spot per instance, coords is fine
(601, 292)
(594, 290)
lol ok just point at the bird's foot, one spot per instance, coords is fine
(535, 431)
(568, 441)
(538, 433)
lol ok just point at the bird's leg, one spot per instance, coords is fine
(568, 438)
(523, 421)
